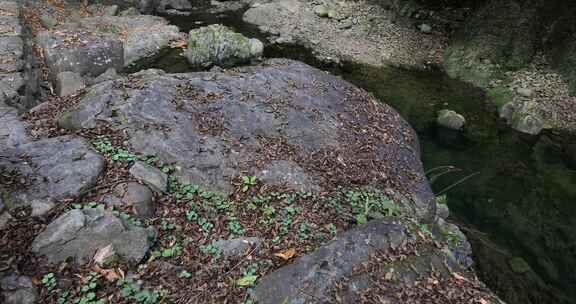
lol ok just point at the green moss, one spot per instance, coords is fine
(519, 265)
(500, 95)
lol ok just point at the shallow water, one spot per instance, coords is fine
(513, 194)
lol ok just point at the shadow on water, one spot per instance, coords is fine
(518, 207)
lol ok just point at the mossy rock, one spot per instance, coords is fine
(519, 265)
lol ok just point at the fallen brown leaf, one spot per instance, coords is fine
(109, 274)
(286, 254)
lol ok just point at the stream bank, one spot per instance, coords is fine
(516, 202)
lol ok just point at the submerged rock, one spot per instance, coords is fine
(219, 45)
(78, 234)
(451, 120)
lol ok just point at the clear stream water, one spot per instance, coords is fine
(518, 202)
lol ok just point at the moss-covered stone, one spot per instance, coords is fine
(217, 44)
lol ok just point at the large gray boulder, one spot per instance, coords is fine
(81, 52)
(56, 168)
(79, 234)
(219, 45)
(314, 275)
(352, 267)
(212, 126)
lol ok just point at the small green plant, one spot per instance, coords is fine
(248, 182)
(210, 249)
(104, 145)
(127, 217)
(87, 294)
(63, 296)
(332, 229)
(167, 225)
(205, 224)
(304, 230)
(185, 274)
(49, 281)
(234, 225)
(132, 290)
(424, 229)
(365, 204)
(249, 276)
(170, 251)
(441, 199)
(167, 168)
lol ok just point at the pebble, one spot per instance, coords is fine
(425, 28)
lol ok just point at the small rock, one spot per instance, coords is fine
(151, 176)
(425, 28)
(79, 234)
(321, 11)
(451, 120)
(526, 92)
(68, 83)
(18, 290)
(237, 247)
(138, 196)
(48, 21)
(111, 10)
(2, 206)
